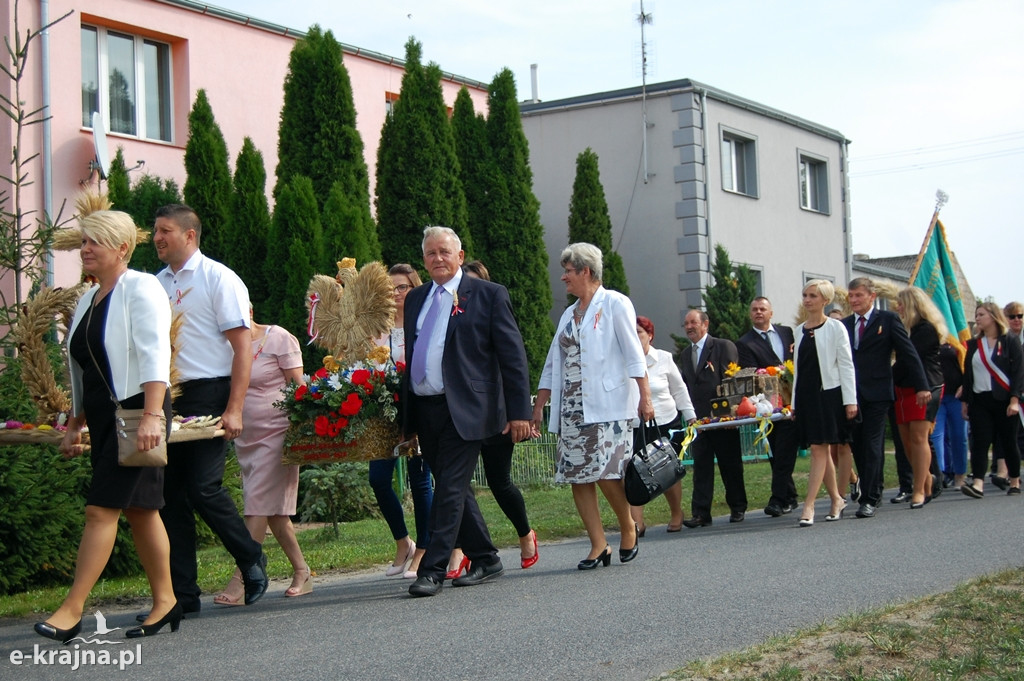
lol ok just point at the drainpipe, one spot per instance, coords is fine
(44, 44)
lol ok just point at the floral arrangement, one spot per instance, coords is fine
(341, 401)
(732, 369)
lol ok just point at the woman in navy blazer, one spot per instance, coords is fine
(993, 383)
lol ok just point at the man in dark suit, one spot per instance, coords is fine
(763, 346)
(874, 336)
(703, 368)
(467, 380)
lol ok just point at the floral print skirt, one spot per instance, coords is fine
(587, 452)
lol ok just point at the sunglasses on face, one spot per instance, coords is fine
(1015, 316)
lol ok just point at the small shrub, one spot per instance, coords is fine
(338, 492)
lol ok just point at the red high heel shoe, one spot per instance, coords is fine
(462, 569)
(532, 560)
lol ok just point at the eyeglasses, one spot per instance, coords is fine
(571, 270)
(1015, 316)
(402, 288)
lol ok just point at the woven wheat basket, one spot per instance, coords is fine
(378, 441)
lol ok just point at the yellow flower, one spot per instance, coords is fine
(732, 369)
(379, 354)
(331, 365)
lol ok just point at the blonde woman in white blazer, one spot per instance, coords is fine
(120, 337)
(594, 357)
(824, 394)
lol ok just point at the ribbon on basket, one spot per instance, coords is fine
(314, 300)
(689, 434)
(764, 428)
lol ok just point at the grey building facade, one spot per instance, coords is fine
(714, 168)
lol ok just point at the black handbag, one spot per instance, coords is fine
(652, 469)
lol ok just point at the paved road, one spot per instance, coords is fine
(688, 595)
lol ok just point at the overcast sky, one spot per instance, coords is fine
(931, 94)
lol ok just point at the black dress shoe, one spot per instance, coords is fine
(189, 608)
(866, 510)
(173, 617)
(255, 580)
(737, 516)
(479, 574)
(1001, 483)
(697, 521)
(900, 498)
(425, 586)
(774, 510)
(605, 558)
(972, 491)
(626, 555)
(62, 635)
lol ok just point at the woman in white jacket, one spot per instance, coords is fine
(119, 342)
(593, 358)
(824, 394)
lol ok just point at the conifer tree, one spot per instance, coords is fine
(118, 182)
(147, 194)
(477, 169)
(589, 221)
(516, 251)
(728, 299)
(417, 169)
(345, 235)
(208, 183)
(293, 249)
(250, 213)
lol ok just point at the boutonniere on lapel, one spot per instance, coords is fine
(879, 332)
(710, 366)
(456, 310)
(999, 348)
(597, 317)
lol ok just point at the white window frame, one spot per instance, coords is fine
(739, 162)
(813, 182)
(140, 101)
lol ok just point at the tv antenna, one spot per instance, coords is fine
(644, 18)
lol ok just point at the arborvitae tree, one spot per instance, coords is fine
(247, 250)
(589, 221)
(118, 182)
(516, 251)
(208, 185)
(148, 194)
(728, 299)
(294, 248)
(345, 235)
(476, 169)
(417, 169)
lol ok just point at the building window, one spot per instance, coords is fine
(389, 103)
(134, 92)
(739, 163)
(813, 183)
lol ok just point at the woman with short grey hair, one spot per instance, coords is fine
(593, 357)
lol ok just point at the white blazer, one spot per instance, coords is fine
(611, 357)
(137, 336)
(835, 359)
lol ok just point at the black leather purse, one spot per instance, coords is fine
(652, 469)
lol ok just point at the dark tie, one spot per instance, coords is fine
(860, 330)
(696, 357)
(764, 334)
(419, 356)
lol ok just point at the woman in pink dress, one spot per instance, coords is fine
(269, 489)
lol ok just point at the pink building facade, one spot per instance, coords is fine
(141, 62)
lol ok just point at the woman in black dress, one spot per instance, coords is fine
(824, 394)
(120, 337)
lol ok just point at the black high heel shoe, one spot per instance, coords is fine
(604, 558)
(173, 618)
(626, 555)
(63, 635)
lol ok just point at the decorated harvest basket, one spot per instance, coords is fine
(378, 441)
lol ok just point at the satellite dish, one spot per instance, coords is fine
(99, 142)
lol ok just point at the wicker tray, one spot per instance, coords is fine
(54, 437)
(378, 441)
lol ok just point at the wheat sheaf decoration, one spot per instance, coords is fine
(349, 311)
(35, 321)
